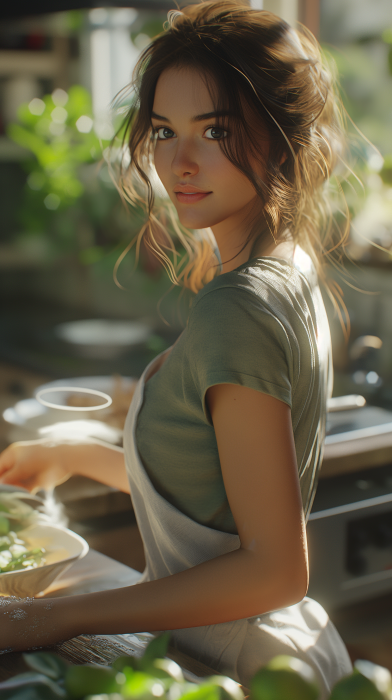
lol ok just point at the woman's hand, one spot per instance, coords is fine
(35, 464)
(42, 464)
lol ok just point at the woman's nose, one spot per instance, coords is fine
(184, 161)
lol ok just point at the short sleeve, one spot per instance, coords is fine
(233, 337)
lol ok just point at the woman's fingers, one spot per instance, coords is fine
(7, 459)
(31, 465)
(15, 472)
(12, 478)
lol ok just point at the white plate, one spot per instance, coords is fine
(103, 338)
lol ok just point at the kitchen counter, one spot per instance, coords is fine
(357, 439)
(354, 455)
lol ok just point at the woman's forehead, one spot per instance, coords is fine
(185, 89)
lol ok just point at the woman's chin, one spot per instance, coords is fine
(189, 220)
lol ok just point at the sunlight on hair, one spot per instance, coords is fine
(257, 61)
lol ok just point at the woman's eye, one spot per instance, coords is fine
(215, 133)
(164, 133)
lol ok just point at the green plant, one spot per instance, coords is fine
(365, 72)
(152, 676)
(69, 197)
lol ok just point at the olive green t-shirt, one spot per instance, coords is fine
(262, 326)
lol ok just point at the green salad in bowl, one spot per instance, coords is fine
(33, 550)
(16, 515)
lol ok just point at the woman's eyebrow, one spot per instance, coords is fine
(211, 115)
(158, 116)
(197, 118)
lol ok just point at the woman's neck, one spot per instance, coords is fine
(232, 258)
(231, 234)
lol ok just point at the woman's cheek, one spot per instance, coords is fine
(163, 157)
(158, 164)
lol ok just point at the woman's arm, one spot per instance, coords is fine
(267, 572)
(259, 466)
(41, 463)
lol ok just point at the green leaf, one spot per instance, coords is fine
(126, 662)
(30, 140)
(151, 26)
(4, 525)
(156, 649)
(89, 256)
(31, 686)
(74, 20)
(390, 60)
(387, 35)
(386, 171)
(356, 687)
(25, 116)
(79, 102)
(167, 668)
(49, 664)
(204, 691)
(230, 690)
(279, 684)
(137, 683)
(90, 680)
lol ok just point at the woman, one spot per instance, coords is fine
(224, 436)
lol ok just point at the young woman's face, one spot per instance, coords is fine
(206, 189)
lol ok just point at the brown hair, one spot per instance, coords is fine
(256, 61)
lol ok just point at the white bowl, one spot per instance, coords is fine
(29, 416)
(63, 548)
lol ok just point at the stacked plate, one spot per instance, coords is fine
(30, 419)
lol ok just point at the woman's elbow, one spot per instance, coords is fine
(297, 588)
(295, 582)
(286, 584)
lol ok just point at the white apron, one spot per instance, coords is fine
(173, 542)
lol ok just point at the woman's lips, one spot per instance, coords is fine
(191, 197)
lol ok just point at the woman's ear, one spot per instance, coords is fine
(283, 159)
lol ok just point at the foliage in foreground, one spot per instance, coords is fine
(152, 676)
